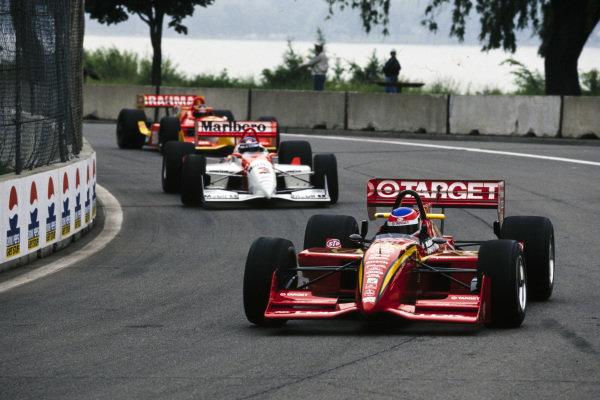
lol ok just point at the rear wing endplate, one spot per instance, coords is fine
(437, 193)
(168, 100)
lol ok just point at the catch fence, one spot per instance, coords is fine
(41, 82)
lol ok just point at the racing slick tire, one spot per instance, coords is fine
(224, 113)
(128, 131)
(325, 165)
(193, 174)
(272, 119)
(295, 148)
(321, 228)
(173, 155)
(537, 235)
(168, 131)
(266, 255)
(503, 262)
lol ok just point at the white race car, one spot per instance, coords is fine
(251, 172)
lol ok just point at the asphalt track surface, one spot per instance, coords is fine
(157, 312)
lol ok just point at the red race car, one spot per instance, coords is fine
(209, 130)
(409, 268)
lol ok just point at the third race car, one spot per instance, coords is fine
(208, 129)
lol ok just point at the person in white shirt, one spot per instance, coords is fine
(319, 65)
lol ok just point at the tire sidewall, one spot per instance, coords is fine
(537, 235)
(172, 165)
(325, 168)
(266, 255)
(503, 262)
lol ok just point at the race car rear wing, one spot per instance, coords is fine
(437, 193)
(265, 131)
(167, 100)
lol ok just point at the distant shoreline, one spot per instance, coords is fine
(460, 65)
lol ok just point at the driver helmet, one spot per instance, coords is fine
(248, 143)
(201, 110)
(404, 220)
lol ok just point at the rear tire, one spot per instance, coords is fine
(503, 262)
(192, 180)
(295, 148)
(266, 255)
(224, 113)
(168, 131)
(128, 131)
(173, 155)
(320, 228)
(326, 166)
(537, 235)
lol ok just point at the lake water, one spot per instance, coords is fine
(466, 67)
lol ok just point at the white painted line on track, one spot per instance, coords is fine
(454, 148)
(112, 226)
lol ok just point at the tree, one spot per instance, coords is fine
(153, 13)
(372, 12)
(562, 25)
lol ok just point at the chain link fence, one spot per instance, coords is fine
(41, 82)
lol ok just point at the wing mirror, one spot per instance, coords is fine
(364, 228)
(357, 238)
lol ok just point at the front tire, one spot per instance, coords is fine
(326, 169)
(320, 228)
(173, 155)
(192, 180)
(537, 235)
(128, 131)
(503, 262)
(266, 255)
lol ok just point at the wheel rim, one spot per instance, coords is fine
(521, 284)
(551, 262)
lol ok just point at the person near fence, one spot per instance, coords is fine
(319, 65)
(391, 69)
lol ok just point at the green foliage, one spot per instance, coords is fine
(114, 67)
(289, 74)
(338, 69)
(591, 83)
(372, 12)
(223, 80)
(111, 65)
(170, 75)
(528, 82)
(152, 13)
(370, 73)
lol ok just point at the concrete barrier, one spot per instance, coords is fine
(505, 115)
(300, 109)
(437, 114)
(401, 113)
(106, 101)
(581, 116)
(45, 209)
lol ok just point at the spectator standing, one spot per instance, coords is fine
(391, 69)
(319, 65)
